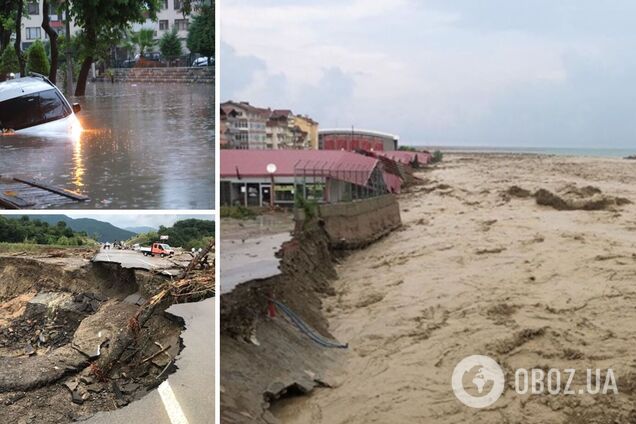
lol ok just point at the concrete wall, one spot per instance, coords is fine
(351, 225)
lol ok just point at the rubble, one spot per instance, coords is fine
(60, 316)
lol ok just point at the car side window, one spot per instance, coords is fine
(52, 106)
(20, 112)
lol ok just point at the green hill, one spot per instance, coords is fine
(99, 230)
(36, 232)
(188, 233)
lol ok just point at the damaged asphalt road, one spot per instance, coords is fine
(57, 317)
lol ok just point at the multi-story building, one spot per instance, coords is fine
(310, 127)
(169, 16)
(282, 129)
(245, 125)
(32, 23)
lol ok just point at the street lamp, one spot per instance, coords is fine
(271, 169)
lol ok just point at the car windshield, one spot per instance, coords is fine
(165, 246)
(33, 109)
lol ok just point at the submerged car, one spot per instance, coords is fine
(34, 104)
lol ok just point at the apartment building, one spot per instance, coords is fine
(249, 127)
(32, 24)
(168, 17)
(244, 125)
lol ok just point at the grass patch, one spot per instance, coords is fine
(38, 248)
(237, 212)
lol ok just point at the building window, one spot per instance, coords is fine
(33, 33)
(34, 8)
(177, 4)
(163, 25)
(181, 24)
(165, 5)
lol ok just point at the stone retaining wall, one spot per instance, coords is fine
(351, 225)
(203, 75)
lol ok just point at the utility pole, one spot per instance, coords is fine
(69, 53)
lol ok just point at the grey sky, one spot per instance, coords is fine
(492, 72)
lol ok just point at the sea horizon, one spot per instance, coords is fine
(558, 151)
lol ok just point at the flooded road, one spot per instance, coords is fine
(144, 146)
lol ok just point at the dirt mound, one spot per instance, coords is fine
(516, 191)
(571, 197)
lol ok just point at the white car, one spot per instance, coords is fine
(34, 104)
(202, 61)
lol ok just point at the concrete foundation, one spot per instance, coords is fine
(351, 225)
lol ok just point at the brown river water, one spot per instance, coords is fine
(144, 146)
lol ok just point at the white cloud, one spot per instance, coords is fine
(414, 69)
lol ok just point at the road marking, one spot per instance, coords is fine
(171, 404)
(147, 263)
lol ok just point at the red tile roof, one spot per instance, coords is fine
(347, 166)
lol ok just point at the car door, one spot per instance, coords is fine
(20, 112)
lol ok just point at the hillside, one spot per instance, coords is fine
(28, 231)
(100, 231)
(140, 230)
(188, 233)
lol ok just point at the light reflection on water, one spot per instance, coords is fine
(146, 146)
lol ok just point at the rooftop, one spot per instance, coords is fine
(348, 131)
(347, 166)
(22, 86)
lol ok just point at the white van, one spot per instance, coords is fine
(34, 104)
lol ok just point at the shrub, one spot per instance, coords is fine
(8, 62)
(37, 61)
(437, 156)
(237, 212)
(170, 45)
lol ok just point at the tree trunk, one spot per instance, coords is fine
(80, 88)
(91, 41)
(46, 25)
(18, 36)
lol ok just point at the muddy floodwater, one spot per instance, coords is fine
(144, 146)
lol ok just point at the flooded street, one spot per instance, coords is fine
(144, 146)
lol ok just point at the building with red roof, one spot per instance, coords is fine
(351, 139)
(268, 177)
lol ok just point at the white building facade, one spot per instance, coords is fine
(168, 17)
(32, 24)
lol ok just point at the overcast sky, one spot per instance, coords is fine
(464, 72)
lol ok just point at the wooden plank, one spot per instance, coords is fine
(13, 202)
(60, 191)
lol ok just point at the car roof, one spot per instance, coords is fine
(22, 86)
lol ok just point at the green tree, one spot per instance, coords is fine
(8, 62)
(36, 59)
(96, 17)
(201, 33)
(170, 45)
(144, 39)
